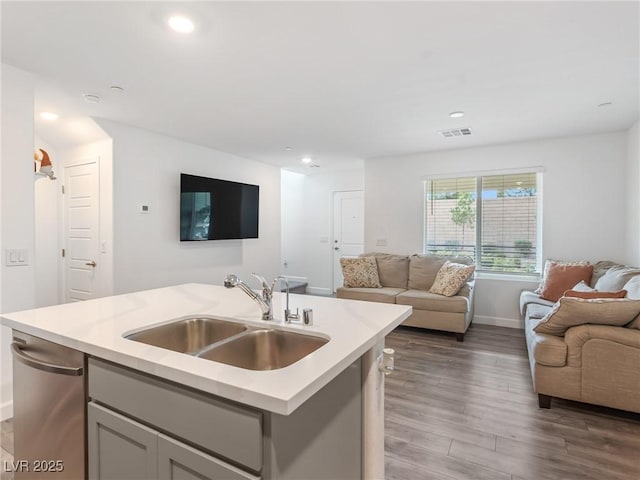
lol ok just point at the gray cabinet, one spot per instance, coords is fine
(141, 426)
(121, 448)
(177, 461)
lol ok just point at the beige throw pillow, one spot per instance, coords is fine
(569, 312)
(450, 278)
(361, 272)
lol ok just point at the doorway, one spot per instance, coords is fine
(348, 229)
(81, 231)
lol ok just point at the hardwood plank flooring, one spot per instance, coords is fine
(6, 448)
(467, 411)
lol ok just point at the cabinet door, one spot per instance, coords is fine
(177, 461)
(119, 447)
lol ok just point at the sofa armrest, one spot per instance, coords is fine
(528, 297)
(577, 336)
(466, 290)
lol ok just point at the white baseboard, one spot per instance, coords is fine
(6, 410)
(326, 292)
(498, 321)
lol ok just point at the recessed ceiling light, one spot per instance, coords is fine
(307, 160)
(116, 89)
(49, 116)
(288, 149)
(91, 98)
(181, 24)
(457, 114)
(605, 104)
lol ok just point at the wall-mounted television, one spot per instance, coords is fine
(215, 209)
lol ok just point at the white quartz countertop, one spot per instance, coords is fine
(97, 327)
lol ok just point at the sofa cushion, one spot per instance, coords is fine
(382, 295)
(561, 278)
(360, 272)
(615, 278)
(450, 278)
(424, 268)
(393, 270)
(569, 312)
(538, 311)
(422, 300)
(635, 323)
(546, 349)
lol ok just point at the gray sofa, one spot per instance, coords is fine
(406, 280)
(597, 364)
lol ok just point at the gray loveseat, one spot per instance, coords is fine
(406, 280)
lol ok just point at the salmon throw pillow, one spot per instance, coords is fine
(562, 277)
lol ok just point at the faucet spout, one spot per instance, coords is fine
(264, 301)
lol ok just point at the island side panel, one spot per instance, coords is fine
(321, 439)
(373, 413)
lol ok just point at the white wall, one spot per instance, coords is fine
(307, 219)
(46, 229)
(583, 207)
(147, 248)
(18, 285)
(293, 248)
(633, 195)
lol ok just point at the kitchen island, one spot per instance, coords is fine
(291, 415)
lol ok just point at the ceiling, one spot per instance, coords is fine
(340, 81)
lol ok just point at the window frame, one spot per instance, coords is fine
(478, 218)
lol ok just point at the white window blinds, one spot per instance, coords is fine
(493, 219)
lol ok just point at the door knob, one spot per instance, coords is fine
(336, 248)
(92, 263)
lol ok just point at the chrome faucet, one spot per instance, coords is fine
(264, 300)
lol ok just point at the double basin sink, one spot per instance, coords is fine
(231, 343)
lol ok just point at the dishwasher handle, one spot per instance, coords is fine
(22, 357)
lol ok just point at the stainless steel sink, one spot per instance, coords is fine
(189, 335)
(264, 349)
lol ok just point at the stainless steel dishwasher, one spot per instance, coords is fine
(49, 404)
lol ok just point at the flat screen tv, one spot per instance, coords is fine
(214, 209)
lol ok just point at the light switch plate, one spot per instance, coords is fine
(16, 257)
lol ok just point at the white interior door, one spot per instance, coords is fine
(348, 229)
(81, 235)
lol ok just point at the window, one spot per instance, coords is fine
(492, 218)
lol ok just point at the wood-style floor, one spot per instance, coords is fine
(466, 411)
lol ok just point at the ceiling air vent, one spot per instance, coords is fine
(456, 132)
